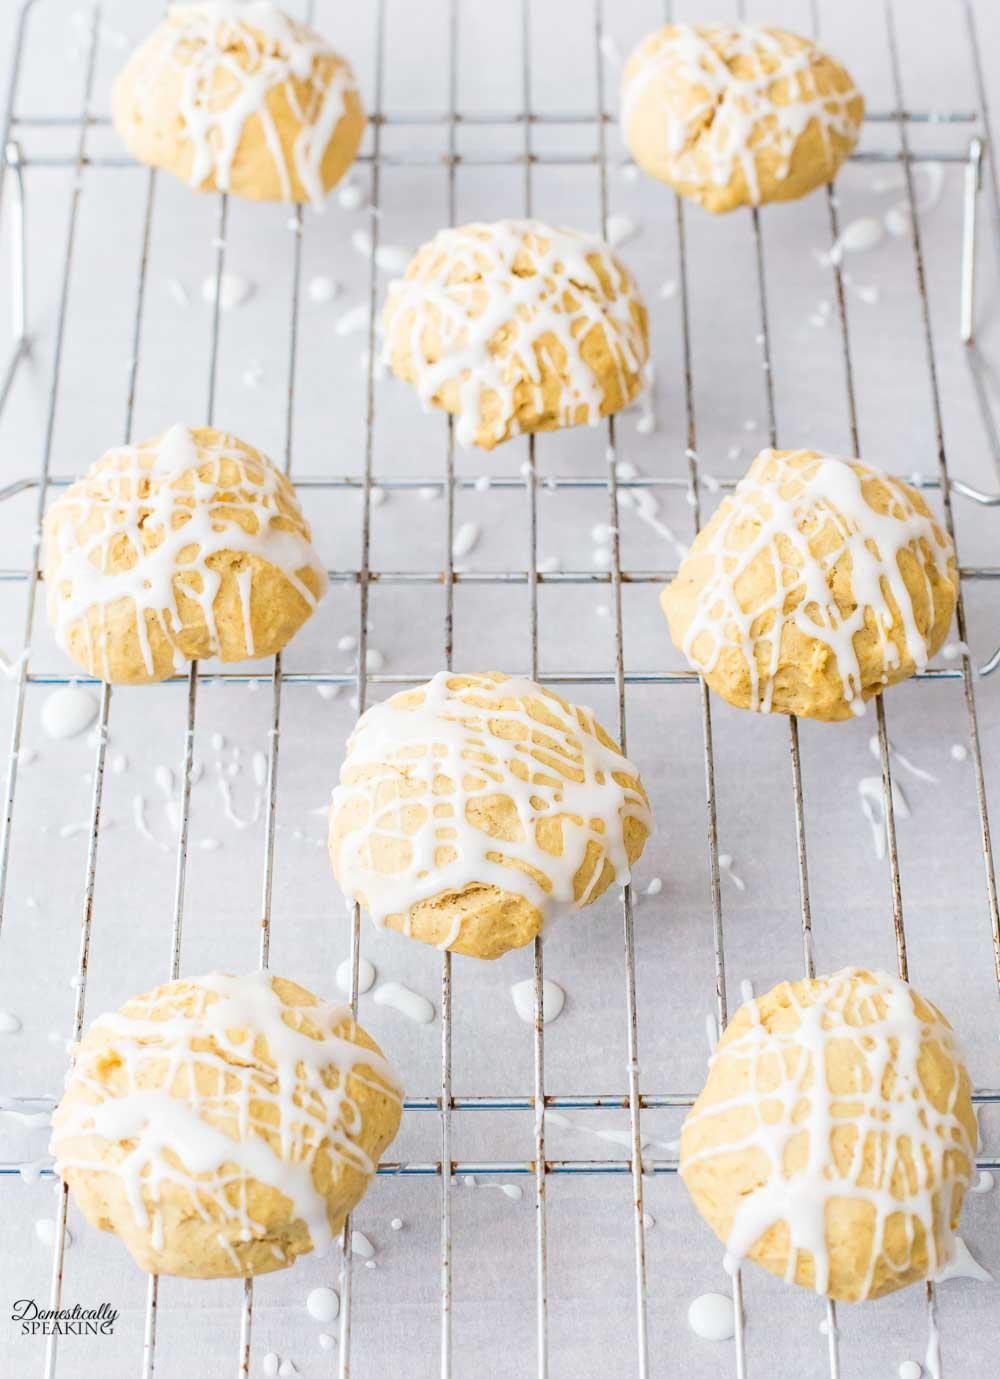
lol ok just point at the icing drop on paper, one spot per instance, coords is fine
(523, 996)
(45, 1231)
(231, 288)
(68, 712)
(710, 1316)
(366, 976)
(361, 1245)
(323, 1304)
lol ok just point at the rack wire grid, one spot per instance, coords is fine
(731, 342)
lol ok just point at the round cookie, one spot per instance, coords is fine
(473, 810)
(240, 98)
(818, 582)
(187, 546)
(517, 326)
(731, 115)
(834, 1138)
(221, 1126)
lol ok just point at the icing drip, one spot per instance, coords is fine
(68, 711)
(778, 513)
(919, 1157)
(173, 504)
(710, 1316)
(264, 1119)
(553, 1000)
(230, 57)
(466, 742)
(720, 83)
(496, 297)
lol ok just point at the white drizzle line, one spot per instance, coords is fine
(182, 492)
(547, 770)
(249, 49)
(905, 762)
(464, 282)
(736, 122)
(873, 807)
(825, 490)
(884, 1043)
(169, 1137)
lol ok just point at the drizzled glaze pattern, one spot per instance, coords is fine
(224, 1124)
(164, 528)
(801, 544)
(834, 1139)
(517, 326)
(228, 60)
(482, 781)
(736, 101)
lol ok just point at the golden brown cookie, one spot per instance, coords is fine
(240, 98)
(189, 545)
(517, 326)
(834, 1138)
(731, 115)
(474, 809)
(221, 1126)
(818, 582)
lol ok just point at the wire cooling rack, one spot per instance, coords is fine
(68, 152)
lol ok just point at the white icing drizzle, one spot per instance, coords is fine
(248, 50)
(477, 731)
(180, 491)
(760, 521)
(465, 282)
(408, 1002)
(889, 1047)
(361, 1245)
(735, 120)
(171, 1127)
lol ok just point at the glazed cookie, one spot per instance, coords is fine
(240, 98)
(222, 1126)
(517, 326)
(816, 584)
(730, 115)
(473, 810)
(187, 546)
(834, 1138)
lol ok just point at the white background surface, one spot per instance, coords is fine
(591, 1285)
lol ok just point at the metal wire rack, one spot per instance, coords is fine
(969, 150)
